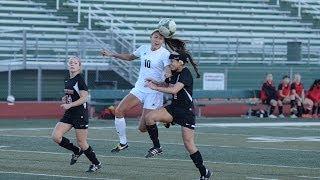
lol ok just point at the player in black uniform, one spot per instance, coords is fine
(76, 116)
(180, 111)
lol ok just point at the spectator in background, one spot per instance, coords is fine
(269, 94)
(312, 100)
(297, 96)
(283, 94)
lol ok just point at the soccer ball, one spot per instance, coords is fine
(167, 27)
(10, 100)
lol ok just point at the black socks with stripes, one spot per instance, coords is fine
(198, 161)
(91, 156)
(154, 136)
(65, 143)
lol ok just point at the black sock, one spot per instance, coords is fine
(91, 156)
(197, 160)
(280, 109)
(65, 143)
(292, 103)
(318, 109)
(154, 136)
(314, 108)
(272, 109)
(300, 111)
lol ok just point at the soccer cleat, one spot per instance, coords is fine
(281, 116)
(94, 168)
(119, 148)
(207, 176)
(272, 116)
(293, 116)
(153, 152)
(74, 157)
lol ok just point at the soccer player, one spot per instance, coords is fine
(312, 100)
(269, 94)
(154, 64)
(284, 89)
(180, 111)
(76, 116)
(297, 96)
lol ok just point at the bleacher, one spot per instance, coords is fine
(249, 31)
(251, 35)
(310, 7)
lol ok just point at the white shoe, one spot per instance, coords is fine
(281, 116)
(272, 116)
(293, 116)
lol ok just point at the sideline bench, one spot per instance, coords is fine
(201, 97)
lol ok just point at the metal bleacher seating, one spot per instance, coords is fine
(218, 31)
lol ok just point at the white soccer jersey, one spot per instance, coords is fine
(152, 65)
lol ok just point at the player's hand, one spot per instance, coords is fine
(151, 85)
(66, 106)
(151, 80)
(106, 53)
(168, 74)
(64, 99)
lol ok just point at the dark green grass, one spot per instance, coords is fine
(230, 151)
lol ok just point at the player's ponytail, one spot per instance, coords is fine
(179, 46)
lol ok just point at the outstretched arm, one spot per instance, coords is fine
(126, 57)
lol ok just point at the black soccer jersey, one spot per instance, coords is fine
(184, 97)
(72, 90)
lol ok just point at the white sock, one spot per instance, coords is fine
(120, 124)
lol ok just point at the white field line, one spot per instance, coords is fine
(51, 175)
(180, 144)
(163, 159)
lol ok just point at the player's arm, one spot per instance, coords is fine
(83, 98)
(281, 94)
(302, 95)
(158, 83)
(167, 71)
(124, 56)
(170, 89)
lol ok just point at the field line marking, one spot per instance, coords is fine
(50, 175)
(180, 144)
(171, 159)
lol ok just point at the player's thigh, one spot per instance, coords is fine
(127, 103)
(60, 129)
(273, 102)
(81, 135)
(286, 100)
(308, 103)
(159, 115)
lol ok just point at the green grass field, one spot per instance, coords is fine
(234, 148)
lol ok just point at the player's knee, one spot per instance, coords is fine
(82, 144)
(273, 102)
(56, 138)
(119, 112)
(149, 118)
(142, 129)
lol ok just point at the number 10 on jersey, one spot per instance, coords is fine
(147, 63)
